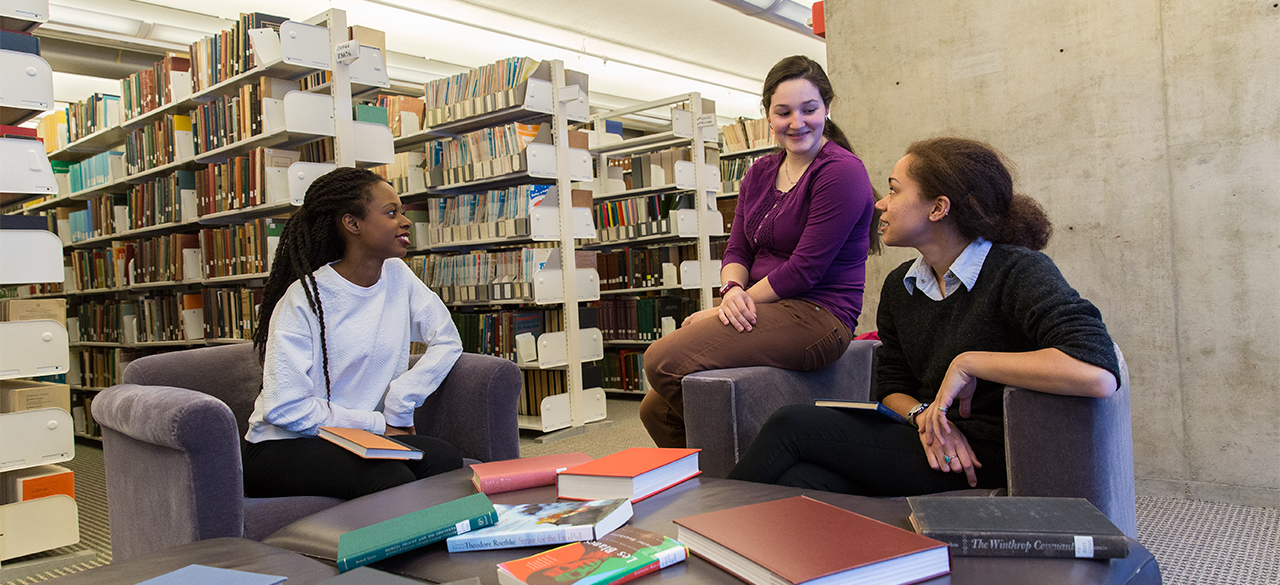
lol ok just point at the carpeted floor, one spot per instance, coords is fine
(1195, 542)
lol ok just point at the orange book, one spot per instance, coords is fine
(368, 445)
(635, 473)
(519, 474)
(40, 482)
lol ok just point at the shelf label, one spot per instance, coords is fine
(347, 52)
(706, 120)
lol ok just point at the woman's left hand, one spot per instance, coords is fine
(957, 387)
(954, 456)
(738, 309)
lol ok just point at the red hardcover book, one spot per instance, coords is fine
(636, 473)
(800, 539)
(519, 474)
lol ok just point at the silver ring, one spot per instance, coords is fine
(942, 409)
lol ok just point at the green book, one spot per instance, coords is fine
(413, 530)
(368, 113)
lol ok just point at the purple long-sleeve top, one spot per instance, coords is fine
(812, 240)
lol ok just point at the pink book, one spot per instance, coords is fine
(519, 474)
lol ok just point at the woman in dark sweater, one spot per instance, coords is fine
(979, 309)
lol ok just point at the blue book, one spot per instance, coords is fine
(863, 406)
(202, 575)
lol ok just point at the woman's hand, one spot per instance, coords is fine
(738, 309)
(393, 431)
(700, 315)
(953, 455)
(957, 387)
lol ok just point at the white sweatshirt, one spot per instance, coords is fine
(368, 331)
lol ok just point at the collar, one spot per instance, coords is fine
(964, 271)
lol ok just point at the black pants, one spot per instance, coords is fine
(859, 453)
(312, 466)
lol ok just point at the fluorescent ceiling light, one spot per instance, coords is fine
(94, 20)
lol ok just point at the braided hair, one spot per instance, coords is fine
(311, 239)
(802, 67)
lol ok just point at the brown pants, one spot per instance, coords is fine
(791, 333)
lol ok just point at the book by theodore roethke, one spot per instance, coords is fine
(1014, 526)
(799, 540)
(618, 557)
(544, 524)
(634, 473)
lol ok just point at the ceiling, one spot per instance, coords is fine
(632, 50)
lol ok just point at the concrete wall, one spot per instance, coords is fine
(1150, 131)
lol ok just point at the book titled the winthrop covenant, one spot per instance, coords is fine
(1013, 526)
(415, 529)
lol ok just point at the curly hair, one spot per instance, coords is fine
(801, 67)
(311, 239)
(976, 180)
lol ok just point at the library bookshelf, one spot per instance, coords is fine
(655, 208)
(31, 435)
(494, 171)
(169, 222)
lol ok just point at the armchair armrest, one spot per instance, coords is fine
(725, 409)
(1069, 446)
(475, 408)
(174, 474)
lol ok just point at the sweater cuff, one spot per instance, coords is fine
(397, 419)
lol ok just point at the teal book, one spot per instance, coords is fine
(414, 530)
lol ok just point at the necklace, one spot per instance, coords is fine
(786, 168)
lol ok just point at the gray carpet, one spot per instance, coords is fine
(1195, 542)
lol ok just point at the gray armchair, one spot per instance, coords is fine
(171, 435)
(1054, 445)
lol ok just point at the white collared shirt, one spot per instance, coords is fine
(964, 271)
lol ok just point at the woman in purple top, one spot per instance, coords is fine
(795, 266)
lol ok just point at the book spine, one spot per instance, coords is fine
(547, 535)
(392, 549)
(1065, 546)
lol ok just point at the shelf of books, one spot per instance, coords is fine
(485, 163)
(653, 205)
(744, 141)
(170, 198)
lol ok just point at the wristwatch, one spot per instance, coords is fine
(919, 408)
(728, 286)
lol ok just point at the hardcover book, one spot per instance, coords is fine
(801, 540)
(544, 524)
(634, 473)
(620, 556)
(519, 474)
(367, 444)
(1019, 527)
(414, 530)
(864, 407)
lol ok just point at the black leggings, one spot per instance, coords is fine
(312, 466)
(859, 453)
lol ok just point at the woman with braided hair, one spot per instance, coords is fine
(979, 308)
(337, 316)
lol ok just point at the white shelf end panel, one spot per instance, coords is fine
(33, 348)
(38, 525)
(30, 256)
(35, 437)
(27, 169)
(301, 175)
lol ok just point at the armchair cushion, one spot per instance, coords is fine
(725, 409)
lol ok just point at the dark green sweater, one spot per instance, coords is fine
(1019, 303)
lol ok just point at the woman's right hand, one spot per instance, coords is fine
(738, 309)
(954, 455)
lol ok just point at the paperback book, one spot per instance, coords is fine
(635, 473)
(205, 575)
(367, 444)
(620, 556)
(1019, 527)
(801, 540)
(414, 530)
(544, 524)
(519, 474)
